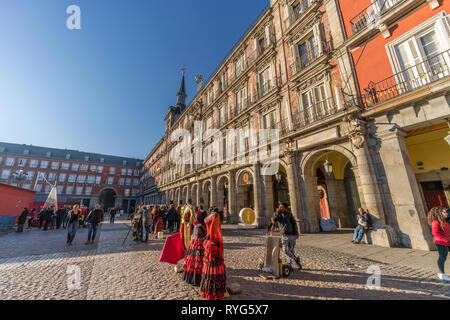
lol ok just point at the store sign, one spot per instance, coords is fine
(245, 179)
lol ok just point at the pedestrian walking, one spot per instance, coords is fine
(364, 224)
(289, 233)
(439, 220)
(31, 218)
(73, 220)
(59, 217)
(22, 219)
(112, 215)
(146, 223)
(172, 217)
(94, 218)
(48, 215)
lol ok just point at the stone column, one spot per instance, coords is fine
(294, 191)
(232, 201)
(408, 205)
(268, 195)
(214, 191)
(257, 195)
(368, 180)
(189, 194)
(200, 194)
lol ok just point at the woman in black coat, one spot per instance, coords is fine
(22, 219)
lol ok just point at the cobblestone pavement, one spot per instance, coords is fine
(34, 265)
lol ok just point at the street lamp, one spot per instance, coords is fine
(20, 175)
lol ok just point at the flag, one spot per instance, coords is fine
(52, 199)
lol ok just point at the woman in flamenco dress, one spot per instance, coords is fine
(213, 284)
(193, 263)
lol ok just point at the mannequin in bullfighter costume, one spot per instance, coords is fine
(187, 220)
(193, 263)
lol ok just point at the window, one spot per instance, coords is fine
(79, 190)
(34, 163)
(55, 165)
(1, 159)
(52, 176)
(62, 177)
(44, 164)
(124, 162)
(26, 186)
(129, 172)
(123, 172)
(91, 179)
(98, 180)
(41, 176)
(128, 182)
(38, 188)
(110, 180)
(65, 166)
(100, 169)
(86, 158)
(136, 182)
(60, 189)
(136, 173)
(270, 120)
(315, 104)
(47, 188)
(223, 114)
(102, 160)
(88, 190)
(241, 97)
(30, 175)
(239, 65)
(69, 189)
(265, 82)
(26, 152)
(75, 166)
(308, 51)
(81, 179)
(22, 162)
(6, 173)
(126, 192)
(112, 170)
(10, 162)
(84, 167)
(121, 181)
(48, 154)
(68, 156)
(72, 178)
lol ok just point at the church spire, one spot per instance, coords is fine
(181, 95)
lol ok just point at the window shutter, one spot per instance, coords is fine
(287, 15)
(442, 27)
(318, 39)
(268, 40)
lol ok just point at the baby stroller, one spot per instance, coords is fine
(272, 267)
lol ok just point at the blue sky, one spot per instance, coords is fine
(107, 87)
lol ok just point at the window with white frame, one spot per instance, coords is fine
(422, 54)
(75, 166)
(30, 175)
(51, 177)
(22, 162)
(123, 172)
(10, 162)
(79, 190)
(129, 172)
(84, 167)
(315, 103)
(44, 164)
(55, 165)
(100, 169)
(47, 188)
(91, 179)
(41, 176)
(110, 180)
(121, 181)
(62, 177)
(6, 173)
(241, 97)
(38, 187)
(88, 190)
(34, 163)
(112, 170)
(128, 182)
(60, 189)
(136, 182)
(270, 120)
(72, 178)
(239, 65)
(223, 112)
(93, 168)
(98, 180)
(65, 166)
(126, 192)
(265, 81)
(81, 178)
(69, 190)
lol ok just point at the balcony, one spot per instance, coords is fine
(309, 58)
(313, 113)
(410, 79)
(298, 11)
(371, 14)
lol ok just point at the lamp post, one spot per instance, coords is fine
(328, 167)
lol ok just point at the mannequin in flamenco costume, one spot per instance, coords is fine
(187, 219)
(213, 284)
(193, 263)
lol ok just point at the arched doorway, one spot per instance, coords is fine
(222, 193)
(194, 195)
(281, 189)
(245, 190)
(107, 198)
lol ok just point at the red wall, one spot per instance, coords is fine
(374, 64)
(13, 200)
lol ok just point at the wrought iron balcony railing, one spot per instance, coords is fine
(309, 57)
(315, 112)
(372, 13)
(419, 75)
(298, 11)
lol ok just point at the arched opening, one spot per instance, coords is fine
(222, 194)
(245, 190)
(206, 197)
(336, 189)
(107, 199)
(194, 195)
(281, 189)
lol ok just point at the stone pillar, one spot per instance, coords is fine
(268, 195)
(200, 194)
(408, 205)
(294, 191)
(257, 195)
(214, 191)
(232, 201)
(189, 194)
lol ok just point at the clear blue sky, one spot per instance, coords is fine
(107, 87)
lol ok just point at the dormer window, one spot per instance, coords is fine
(102, 160)
(68, 156)
(26, 152)
(48, 154)
(124, 162)
(86, 158)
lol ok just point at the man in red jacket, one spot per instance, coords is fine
(438, 218)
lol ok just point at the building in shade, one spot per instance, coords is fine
(81, 177)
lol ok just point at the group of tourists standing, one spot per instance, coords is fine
(93, 219)
(49, 218)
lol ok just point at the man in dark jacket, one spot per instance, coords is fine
(59, 217)
(289, 233)
(48, 214)
(172, 216)
(94, 218)
(112, 215)
(22, 219)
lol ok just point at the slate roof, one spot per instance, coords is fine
(60, 154)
